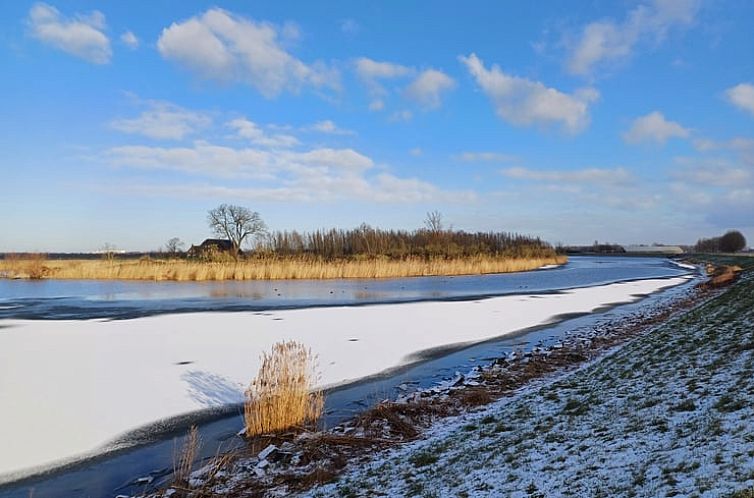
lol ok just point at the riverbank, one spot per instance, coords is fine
(266, 269)
(536, 433)
(174, 364)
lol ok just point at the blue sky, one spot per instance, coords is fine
(624, 121)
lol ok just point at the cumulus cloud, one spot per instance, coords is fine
(524, 102)
(222, 46)
(82, 35)
(329, 127)
(594, 176)
(608, 41)
(428, 88)
(255, 134)
(163, 121)
(130, 40)
(653, 127)
(742, 96)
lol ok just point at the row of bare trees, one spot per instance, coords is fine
(370, 242)
(244, 227)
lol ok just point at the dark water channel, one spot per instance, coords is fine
(87, 299)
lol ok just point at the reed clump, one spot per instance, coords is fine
(283, 395)
(32, 266)
(278, 268)
(183, 459)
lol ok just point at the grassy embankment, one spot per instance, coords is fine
(669, 414)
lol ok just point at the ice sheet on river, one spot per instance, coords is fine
(69, 387)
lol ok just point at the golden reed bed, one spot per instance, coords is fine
(264, 269)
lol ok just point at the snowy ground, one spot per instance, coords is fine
(669, 414)
(69, 387)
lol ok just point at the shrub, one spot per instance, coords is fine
(282, 396)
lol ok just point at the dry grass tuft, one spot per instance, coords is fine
(472, 397)
(183, 460)
(282, 396)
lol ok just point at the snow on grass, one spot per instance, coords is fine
(669, 414)
(69, 387)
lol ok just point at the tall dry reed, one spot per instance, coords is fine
(283, 395)
(183, 459)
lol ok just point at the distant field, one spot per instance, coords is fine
(265, 269)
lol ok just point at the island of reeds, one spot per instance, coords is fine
(363, 252)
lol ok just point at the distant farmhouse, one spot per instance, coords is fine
(210, 247)
(655, 249)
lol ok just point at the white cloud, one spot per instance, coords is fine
(163, 121)
(713, 171)
(416, 152)
(742, 96)
(130, 40)
(377, 105)
(595, 176)
(371, 70)
(428, 88)
(607, 40)
(317, 175)
(82, 35)
(485, 157)
(251, 131)
(742, 146)
(524, 102)
(221, 46)
(203, 158)
(329, 127)
(653, 127)
(200, 159)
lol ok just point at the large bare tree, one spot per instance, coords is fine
(433, 222)
(235, 223)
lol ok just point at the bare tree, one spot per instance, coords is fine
(174, 246)
(108, 251)
(235, 223)
(433, 221)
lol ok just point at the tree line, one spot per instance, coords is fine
(732, 241)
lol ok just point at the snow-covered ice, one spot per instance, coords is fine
(67, 388)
